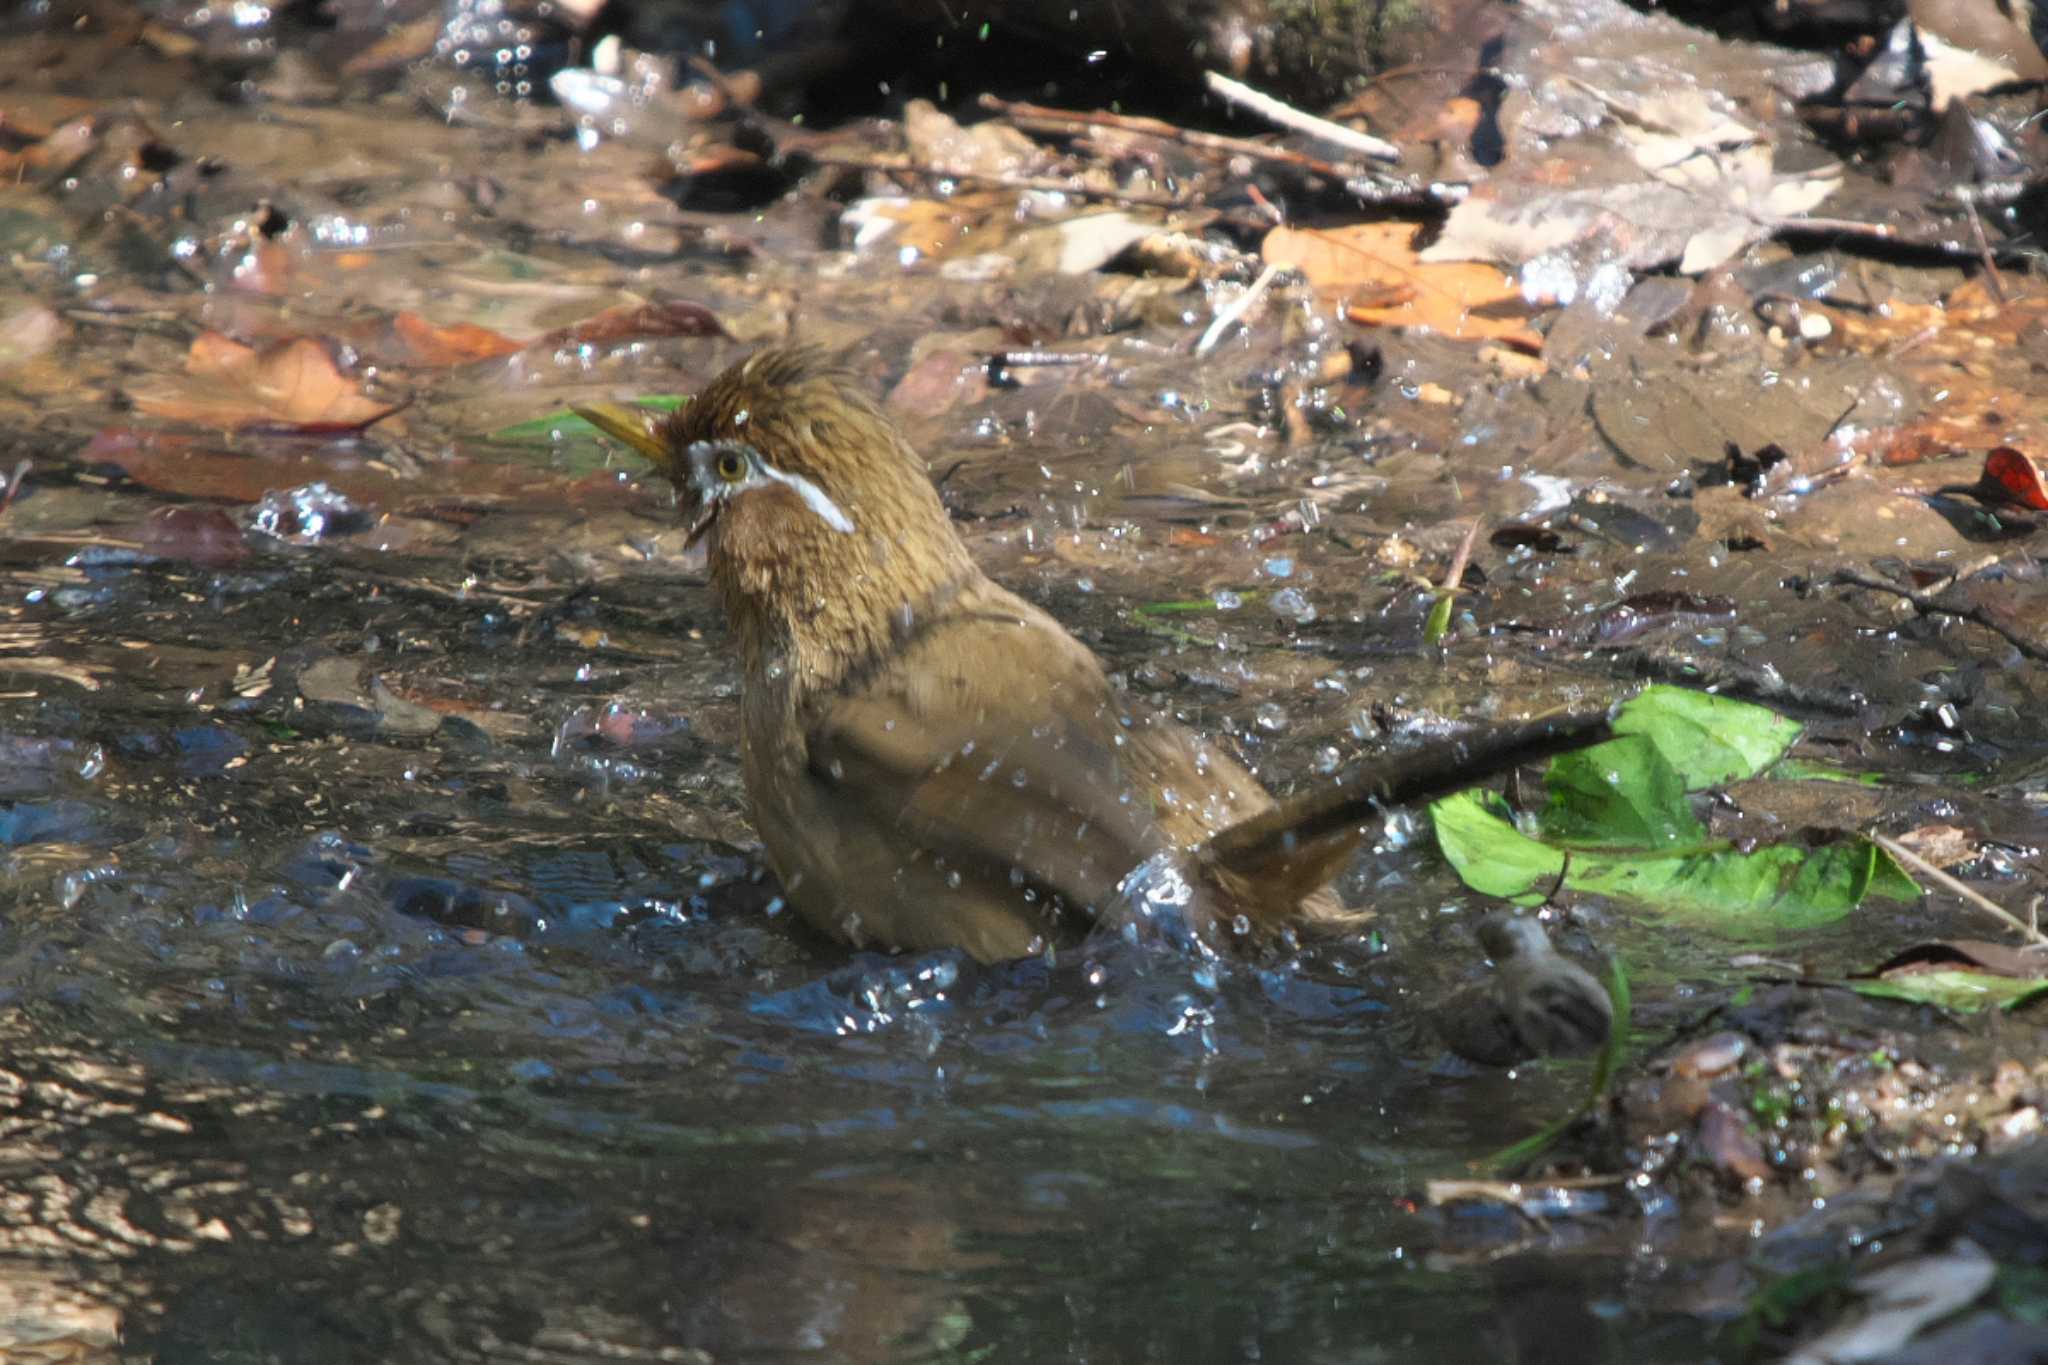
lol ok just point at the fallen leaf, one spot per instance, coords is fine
(448, 490)
(293, 385)
(1942, 845)
(940, 381)
(2016, 476)
(989, 148)
(1970, 954)
(637, 321)
(1903, 1297)
(27, 332)
(427, 343)
(1457, 299)
(1634, 140)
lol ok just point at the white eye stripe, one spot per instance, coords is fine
(814, 497)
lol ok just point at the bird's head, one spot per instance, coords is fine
(817, 516)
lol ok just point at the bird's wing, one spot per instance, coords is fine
(994, 742)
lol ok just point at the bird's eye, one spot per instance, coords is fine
(731, 466)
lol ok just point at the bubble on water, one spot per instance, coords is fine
(1226, 600)
(1280, 566)
(93, 764)
(1290, 602)
(306, 515)
(1271, 717)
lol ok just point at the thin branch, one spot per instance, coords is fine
(1924, 603)
(1049, 184)
(1287, 116)
(1975, 898)
(1243, 304)
(1077, 122)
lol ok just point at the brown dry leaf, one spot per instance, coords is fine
(1968, 954)
(427, 343)
(1459, 299)
(989, 148)
(26, 333)
(293, 384)
(965, 225)
(64, 146)
(455, 491)
(400, 44)
(636, 321)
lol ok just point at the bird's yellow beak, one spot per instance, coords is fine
(634, 428)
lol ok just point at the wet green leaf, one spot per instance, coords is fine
(1805, 770)
(1709, 741)
(1621, 792)
(1439, 624)
(567, 426)
(1619, 823)
(1957, 989)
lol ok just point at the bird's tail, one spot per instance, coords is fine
(1283, 856)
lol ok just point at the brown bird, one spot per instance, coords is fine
(932, 761)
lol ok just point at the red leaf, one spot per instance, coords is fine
(2015, 477)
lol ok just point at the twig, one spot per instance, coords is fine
(1074, 122)
(1235, 311)
(1287, 116)
(1947, 883)
(1924, 603)
(14, 483)
(1985, 254)
(1050, 184)
(1439, 623)
(1455, 575)
(1735, 678)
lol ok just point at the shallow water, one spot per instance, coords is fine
(385, 969)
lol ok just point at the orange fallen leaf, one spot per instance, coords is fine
(1374, 266)
(458, 344)
(294, 384)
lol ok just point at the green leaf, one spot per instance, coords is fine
(1709, 740)
(1955, 988)
(1805, 770)
(1621, 792)
(1439, 623)
(1494, 858)
(567, 426)
(1619, 823)
(1783, 886)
